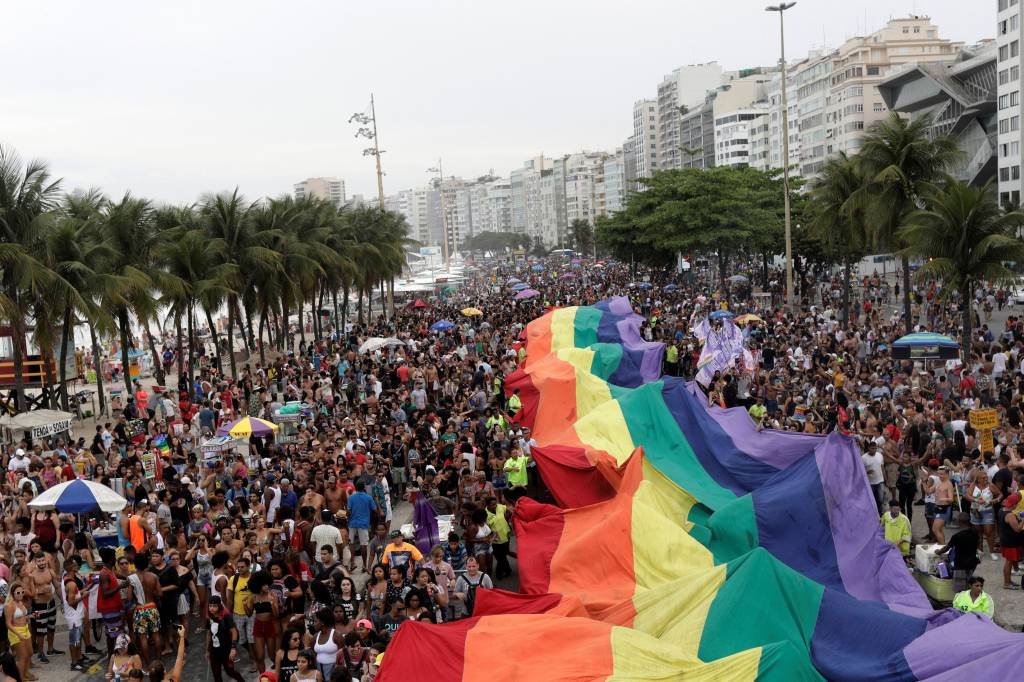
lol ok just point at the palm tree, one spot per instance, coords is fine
(130, 231)
(900, 159)
(28, 196)
(195, 268)
(837, 220)
(965, 239)
(75, 250)
(227, 219)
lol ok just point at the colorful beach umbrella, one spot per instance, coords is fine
(442, 326)
(472, 312)
(526, 293)
(520, 286)
(747, 318)
(247, 427)
(670, 287)
(925, 346)
(721, 315)
(419, 303)
(79, 497)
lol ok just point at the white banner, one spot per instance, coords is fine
(50, 429)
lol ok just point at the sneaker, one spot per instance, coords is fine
(993, 557)
(78, 667)
(54, 652)
(43, 658)
(92, 650)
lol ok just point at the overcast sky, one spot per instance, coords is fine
(173, 99)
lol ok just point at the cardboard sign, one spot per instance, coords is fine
(984, 419)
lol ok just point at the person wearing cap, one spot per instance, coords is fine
(19, 462)
(974, 599)
(400, 554)
(1011, 538)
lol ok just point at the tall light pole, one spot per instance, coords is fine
(370, 133)
(781, 8)
(444, 214)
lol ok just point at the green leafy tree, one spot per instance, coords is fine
(581, 235)
(965, 239)
(837, 220)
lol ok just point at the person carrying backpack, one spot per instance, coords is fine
(466, 585)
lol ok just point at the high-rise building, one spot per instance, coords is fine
(680, 90)
(862, 62)
(697, 135)
(960, 97)
(613, 188)
(645, 135)
(332, 189)
(1009, 37)
(735, 108)
(630, 161)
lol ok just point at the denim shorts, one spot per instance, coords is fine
(983, 517)
(944, 512)
(74, 635)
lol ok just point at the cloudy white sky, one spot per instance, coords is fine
(172, 99)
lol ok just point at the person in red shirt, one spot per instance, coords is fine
(403, 372)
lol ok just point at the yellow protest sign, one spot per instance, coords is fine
(984, 419)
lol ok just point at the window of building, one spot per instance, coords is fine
(1013, 23)
(1015, 149)
(1015, 123)
(906, 29)
(1004, 174)
(1004, 76)
(1004, 150)
(1004, 101)
(1004, 125)
(1014, 73)
(1015, 172)
(1004, 52)
(917, 29)
(1002, 27)
(1014, 98)
(878, 106)
(1014, 48)
(872, 70)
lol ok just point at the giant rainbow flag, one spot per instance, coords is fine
(687, 544)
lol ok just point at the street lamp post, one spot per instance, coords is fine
(375, 151)
(781, 8)
(444, 214)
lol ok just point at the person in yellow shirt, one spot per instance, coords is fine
(896, 526)
(498, 519)
(400, 554)
(975, 599)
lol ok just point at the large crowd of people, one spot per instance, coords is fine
(286, 555)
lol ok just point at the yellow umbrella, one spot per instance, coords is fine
(472, 312)
(247, 427)
(749, 317)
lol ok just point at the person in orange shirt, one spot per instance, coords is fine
(139, 532)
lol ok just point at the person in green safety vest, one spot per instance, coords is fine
(974, 599)
(514, 403)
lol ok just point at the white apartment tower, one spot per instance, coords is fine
(645, 135)
(678, 92)
(1009, 38)
(332, 189)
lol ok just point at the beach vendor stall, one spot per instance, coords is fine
(289, 417)
(217, 449)
(37, 425)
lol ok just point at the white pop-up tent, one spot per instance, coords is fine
(36, 424)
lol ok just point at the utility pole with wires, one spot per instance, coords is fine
(368, 129)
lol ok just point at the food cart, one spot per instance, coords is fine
(289, 417)
(217, 449)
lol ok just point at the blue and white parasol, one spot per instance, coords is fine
(78, 497)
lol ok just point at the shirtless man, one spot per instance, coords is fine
(42, 587)
(222, 572)
(336, 498)
(311, 498)
(230, 544)
(147, 616)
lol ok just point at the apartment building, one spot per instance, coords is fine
(680, 90)
(1009, 37)
(645, 135)
(329, 188)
